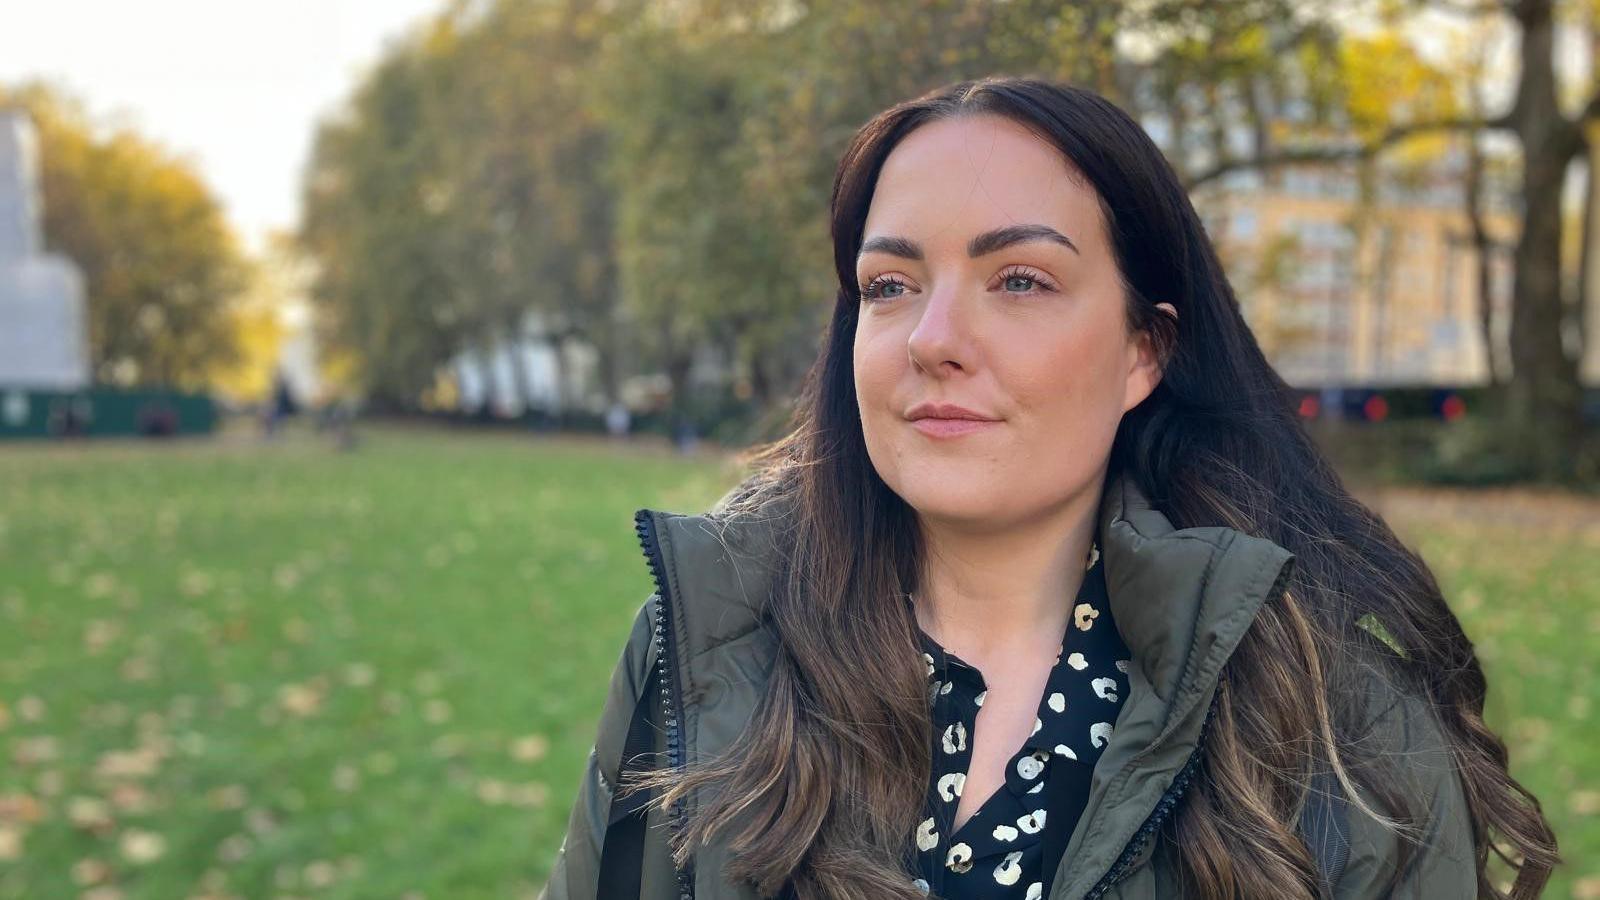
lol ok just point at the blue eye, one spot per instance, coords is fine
(877, 287)
(1010, 277)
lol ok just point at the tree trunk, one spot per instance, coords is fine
(1544, 397)
(607, 341)
(558, 354)
(1382, 293)
(486, 408)
(1483, 256)
(1588, 287)
(521, 390)
(761, 384)
(678, 368)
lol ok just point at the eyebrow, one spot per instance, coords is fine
(988, 242)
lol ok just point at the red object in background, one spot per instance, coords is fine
(1453, 407)
(1309, 406)
(1376, 409)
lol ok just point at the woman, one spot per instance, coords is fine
(1047, 593)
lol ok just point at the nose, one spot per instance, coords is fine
(942, 338)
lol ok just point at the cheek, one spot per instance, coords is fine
(1070, 381)
(874, 361)
(879, 360)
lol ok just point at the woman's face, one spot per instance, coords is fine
(991, 286)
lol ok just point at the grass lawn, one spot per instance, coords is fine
(235, 669)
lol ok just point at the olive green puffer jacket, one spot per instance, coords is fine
(1182, 599)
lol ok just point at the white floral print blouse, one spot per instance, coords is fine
(998, 852)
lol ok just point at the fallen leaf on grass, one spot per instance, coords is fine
(30, 750)
(99, 585)
(228, 796)
(90, 814)
(530, 748)
(97, 633)
(195, 584)
(20, 809)
(1585, 803)
(137, 668)
(132, 798)
(492, 792)
(50, 782)
(359, 675)
(234, 848)
(30, 708)
(260, 821)
(141, 762)
(495, 792)
(90, 871)
(303, 699)
(531, 794)
(436, 712)
(286, 577)
(346, 778)
(214, 886)
(320, 873)
(140, 846)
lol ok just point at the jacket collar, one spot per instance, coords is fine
(721, 571)
(1182, 597)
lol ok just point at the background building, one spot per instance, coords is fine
(1378, 292)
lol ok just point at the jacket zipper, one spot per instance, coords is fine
(671, 696)
(1158, 816)
(1174, 792)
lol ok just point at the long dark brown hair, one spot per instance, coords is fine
(822, 791)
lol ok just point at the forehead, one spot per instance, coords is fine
(952, 178)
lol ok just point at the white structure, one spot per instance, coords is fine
(490, 375)
(44, 336)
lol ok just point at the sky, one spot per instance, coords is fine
(235, 86)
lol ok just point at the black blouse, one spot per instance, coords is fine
(999, 851)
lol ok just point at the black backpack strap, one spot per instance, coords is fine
(1325, 826)
(622, 854)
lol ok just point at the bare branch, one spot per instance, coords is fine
(1344, 152)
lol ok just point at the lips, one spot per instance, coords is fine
(946, 420)
(936, 427)
(947, 411)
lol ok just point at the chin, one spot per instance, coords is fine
(953, 491)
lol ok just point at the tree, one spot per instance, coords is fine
(460, 191)
(374, 204)
(1543, 412)
(160, 263)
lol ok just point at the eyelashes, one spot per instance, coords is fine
(879, 288)
(873, 290)
(1040, 281)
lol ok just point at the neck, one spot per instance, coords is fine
(989, 590)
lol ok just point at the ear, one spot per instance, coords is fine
(1144, 369)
